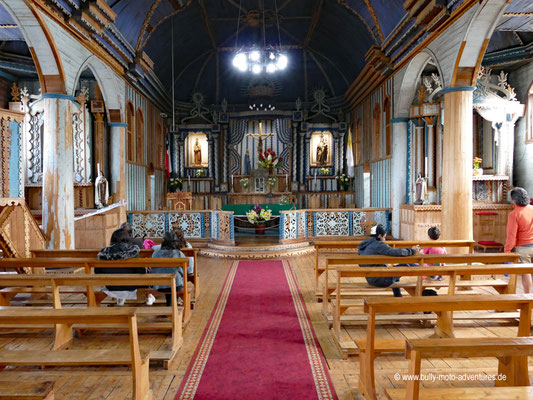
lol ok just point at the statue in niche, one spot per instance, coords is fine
(101, 190)
(322, 151)
(197, 153)
(421, 190)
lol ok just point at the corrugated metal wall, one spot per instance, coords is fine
(380, 183)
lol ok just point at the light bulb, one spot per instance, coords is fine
(282, 61)
(239, 61)
(256, 69)
(270, 68)
(254, 55)
(272, 56)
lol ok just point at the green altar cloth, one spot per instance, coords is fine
(241, 209)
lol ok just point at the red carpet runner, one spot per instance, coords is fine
(259, 342)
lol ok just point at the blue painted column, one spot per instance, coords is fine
(58, 171)
(398, 171)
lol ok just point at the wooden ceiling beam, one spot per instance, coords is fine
(314, 22)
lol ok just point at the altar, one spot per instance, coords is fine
(241, 209)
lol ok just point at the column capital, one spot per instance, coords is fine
(60, 96)
(398, 120)
(458, 89)
(118, 125)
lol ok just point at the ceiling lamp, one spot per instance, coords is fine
(267, 59)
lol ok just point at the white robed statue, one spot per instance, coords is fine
(101, 190)
(421, 190)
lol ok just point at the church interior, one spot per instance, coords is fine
(188, 190)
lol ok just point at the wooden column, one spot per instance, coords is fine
(58, 171)
(457, 155)
(398, 171)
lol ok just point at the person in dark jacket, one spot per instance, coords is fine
(121, 248)
(375, 245)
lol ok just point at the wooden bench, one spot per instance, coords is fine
(68, 317)
(371, 347)
(354, 244)
(343, 303)
(53, 283)
(24, 390)
(420, 259)
(144, 253)
(511, 353)
(88, 266)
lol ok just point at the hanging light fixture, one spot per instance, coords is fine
(258, 60)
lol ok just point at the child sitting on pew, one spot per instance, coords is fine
(434, 234)
(170, 248)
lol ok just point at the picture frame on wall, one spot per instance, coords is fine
(224, 187)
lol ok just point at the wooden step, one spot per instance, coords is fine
(467, 393)
(26, 390)
(66, 357)
(383, 345)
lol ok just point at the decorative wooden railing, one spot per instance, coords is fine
(19, 232)
(296, 225)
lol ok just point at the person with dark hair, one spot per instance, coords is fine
(183, 244)
(434, 234)
(120, 248)
(170, 248)
(376, 245)
(520, 231)
(135, 240)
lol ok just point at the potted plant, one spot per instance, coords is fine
(245, 183)
(343, 182)
(258, 216)
(175, 183)
(200, 173)
(477, 167)
(269, 160)
(324, 171)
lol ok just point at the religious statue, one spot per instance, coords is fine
(421, 189)
(197, 153)
(322, 151)
(101, 190)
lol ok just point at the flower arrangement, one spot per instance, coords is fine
(244, 183)
(285, 200)
(272, 181)
(200, 173)
(175, 183)
(324, 171)
(343, 181)
(477, 162)
(268, 159)
(258, 215)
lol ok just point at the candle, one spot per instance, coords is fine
(287, 180)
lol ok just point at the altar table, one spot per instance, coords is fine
(242, 209)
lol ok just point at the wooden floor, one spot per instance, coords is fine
(114, 383)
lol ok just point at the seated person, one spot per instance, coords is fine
(434, 234)
(375, 245)
(135, 240)
(121, 248)
(170, 248)
(183, 244)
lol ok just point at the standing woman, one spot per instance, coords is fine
(520, 231)
(170, 248)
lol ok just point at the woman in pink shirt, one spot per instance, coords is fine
(434, 234)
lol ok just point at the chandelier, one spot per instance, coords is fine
(258, 60)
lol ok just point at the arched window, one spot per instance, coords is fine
(388, 130)
(529, 124)
(159, 145)
(139, 133)
(130, 133)
(358, 151)
(376, 132)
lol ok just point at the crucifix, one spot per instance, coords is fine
(260, 136)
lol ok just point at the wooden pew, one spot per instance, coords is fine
(89, 264)
(24, 390)
(68, 317)
(511, 353)
(371, 347)
(354, 244)
(144, 253)
(57, 281)
(356, 260)
(341, 304)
